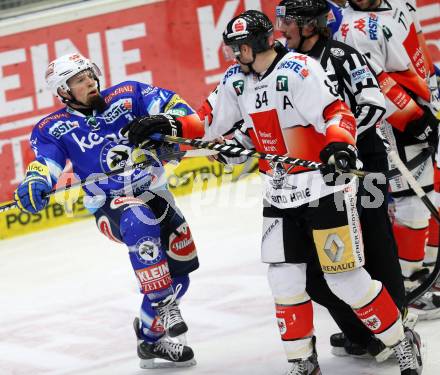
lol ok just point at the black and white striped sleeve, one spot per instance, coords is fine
(366, 100)
(356, 83)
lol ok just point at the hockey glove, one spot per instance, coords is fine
(339, 158)
(141, 128)
(31, 194)
(425, 128)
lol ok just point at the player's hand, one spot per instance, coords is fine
(141, 128)
(339, 158)
(31, 194)
(425, 128)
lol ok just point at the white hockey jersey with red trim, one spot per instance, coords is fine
(380, 35)
(293, 110)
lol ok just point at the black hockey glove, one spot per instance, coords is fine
(425, 128)
(141, 128)
(339, 158)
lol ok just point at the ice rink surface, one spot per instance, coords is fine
(68, 297)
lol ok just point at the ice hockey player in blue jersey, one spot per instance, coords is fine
(334, 16)
(134, 208)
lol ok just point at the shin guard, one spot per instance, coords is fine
(411, 247)
(381, 316)
(295, 322)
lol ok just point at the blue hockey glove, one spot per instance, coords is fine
(30, 195)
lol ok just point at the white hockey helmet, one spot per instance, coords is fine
(60, 70)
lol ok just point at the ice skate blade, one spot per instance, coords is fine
(157, 363)
(384, 355)
(426, 315)
(341, 352)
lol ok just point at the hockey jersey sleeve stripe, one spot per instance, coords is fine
(192, 126)
(205, 111)
(341, 124)
(406, 108)
(411, 81)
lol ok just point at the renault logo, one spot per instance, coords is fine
(334, 247)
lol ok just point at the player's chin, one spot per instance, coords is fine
(96, 102)
(290, 43)
(244, 68)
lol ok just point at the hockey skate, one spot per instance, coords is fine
(427, 307)
(409, 353)
(163, 353)
(416, 278)
(169, 315)
(343, 347)
(305, 366)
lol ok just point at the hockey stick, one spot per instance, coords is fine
(232, 150)
(415, 186)
(103, 176)
(407, 175)
(413, 163)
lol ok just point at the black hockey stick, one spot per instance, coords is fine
(103, 176)
(232, 150)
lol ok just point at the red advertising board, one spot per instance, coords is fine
(175, 44)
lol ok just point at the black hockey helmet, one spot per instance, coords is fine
(302, 12)
(253, 28)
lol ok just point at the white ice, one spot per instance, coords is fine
(68, 297)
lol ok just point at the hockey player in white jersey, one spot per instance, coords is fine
(388, 37)
(304, 25)
(288, 108)
(433, 235)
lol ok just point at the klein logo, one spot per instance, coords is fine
(334, 242)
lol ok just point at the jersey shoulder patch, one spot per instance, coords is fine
(60, 115)
(123, 88)
(296, 64)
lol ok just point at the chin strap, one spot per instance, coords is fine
(249, 65)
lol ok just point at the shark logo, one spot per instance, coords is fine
(147, 250)
(279, 174)
(118, 158)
